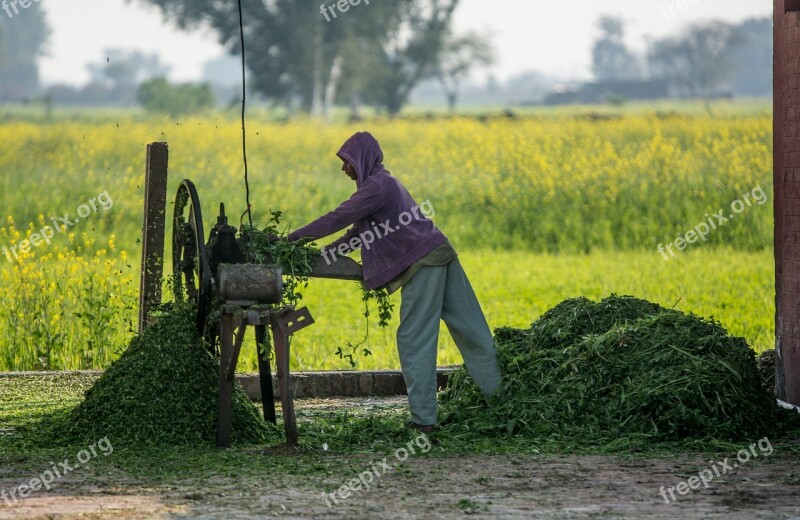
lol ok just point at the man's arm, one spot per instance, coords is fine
(364, 202)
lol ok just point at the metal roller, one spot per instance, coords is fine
(250, 283)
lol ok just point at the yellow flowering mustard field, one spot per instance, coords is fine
(541, 209)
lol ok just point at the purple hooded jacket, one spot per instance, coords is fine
(387, 223)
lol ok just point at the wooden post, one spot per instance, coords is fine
(225, 396)
(786, 182)
(155, 207)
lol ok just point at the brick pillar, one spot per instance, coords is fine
(786, 176)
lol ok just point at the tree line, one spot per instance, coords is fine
(702, 60)
(375, 55)
(307, 61)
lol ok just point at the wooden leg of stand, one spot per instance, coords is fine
(265, 377)
(225, 386)
(284, 383)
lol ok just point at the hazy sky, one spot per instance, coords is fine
(551, 37)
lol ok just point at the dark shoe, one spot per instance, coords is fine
(422, 428)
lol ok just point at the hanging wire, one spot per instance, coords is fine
(244, 125)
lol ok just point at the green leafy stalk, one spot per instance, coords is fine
(270, 246)
(385, 308)
(294, 258)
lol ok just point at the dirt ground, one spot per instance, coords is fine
(477, 486)
(574, 487)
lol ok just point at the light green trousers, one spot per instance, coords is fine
(437, 293)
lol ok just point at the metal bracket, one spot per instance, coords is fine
(295, 321)
(240, 324)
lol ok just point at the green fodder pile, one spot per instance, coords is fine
(766, 366)
(619, 370)
(162, 390)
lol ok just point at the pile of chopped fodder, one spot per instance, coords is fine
(623, 368)
(162, 390)
(766, 366)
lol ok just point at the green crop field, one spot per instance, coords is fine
(541, 208)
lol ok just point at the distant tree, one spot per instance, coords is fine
(291, 49)
(410, 54)
(160, 96)
(297, 53)
(124, 68)
(224, 70)
(528, 86)
(700, 61)
(24, 38)
(362, 71)
(611, 58)
(753, 59)
(460, 56)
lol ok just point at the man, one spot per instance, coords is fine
(402, 249)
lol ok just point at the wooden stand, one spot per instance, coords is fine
(284, 323)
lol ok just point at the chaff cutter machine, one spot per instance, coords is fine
(228, 290)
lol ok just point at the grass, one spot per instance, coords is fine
(349, 433)
(350, 436)
(515, 288)
(738, 107)
(337, 442)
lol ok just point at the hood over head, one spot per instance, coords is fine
(364, 153)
